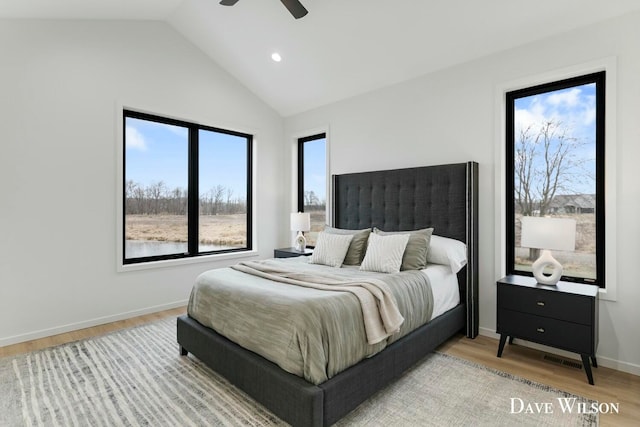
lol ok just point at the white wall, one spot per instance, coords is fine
(60, 85)
(451, 115)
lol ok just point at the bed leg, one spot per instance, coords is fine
(183, 351)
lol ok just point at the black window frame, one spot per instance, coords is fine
(193, 194)
(301, 142)
(599, 78)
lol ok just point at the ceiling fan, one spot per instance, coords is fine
(295, 7)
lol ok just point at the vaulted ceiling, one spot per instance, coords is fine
(342, 47)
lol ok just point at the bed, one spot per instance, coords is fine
(444, 197)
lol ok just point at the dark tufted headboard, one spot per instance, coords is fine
(444, 197)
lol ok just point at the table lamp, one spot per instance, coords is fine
(548, 234)
(300, 222)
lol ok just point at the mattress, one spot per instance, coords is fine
(444, 287)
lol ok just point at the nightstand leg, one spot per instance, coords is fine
(587, 367)
(510, 340)
(503, 340)
(594, 362)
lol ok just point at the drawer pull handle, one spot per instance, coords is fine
(541, 330)
(540, 303)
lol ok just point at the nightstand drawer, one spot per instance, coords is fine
(539, 302)
(544, 330)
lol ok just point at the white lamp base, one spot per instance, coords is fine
(546, 260)
(301, 242)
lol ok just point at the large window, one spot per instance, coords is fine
(312, 182)
(187, 189)
(555, 168)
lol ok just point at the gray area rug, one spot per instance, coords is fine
(136, 377)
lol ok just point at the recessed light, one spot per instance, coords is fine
(276, 57)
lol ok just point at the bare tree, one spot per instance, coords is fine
(177, 201)
(129, 190)
(216, 194)
(155, 193)
(228, 204)
(310, 198)
(158, 199)
(545, 165)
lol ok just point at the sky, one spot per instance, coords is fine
(575, 108)
(159, 152)
(315, 169)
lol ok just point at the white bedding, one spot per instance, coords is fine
(444, 286)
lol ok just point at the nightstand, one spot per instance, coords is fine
(564, 316)
(291, 252)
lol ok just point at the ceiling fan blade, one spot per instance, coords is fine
(228, 2)
(295, 7)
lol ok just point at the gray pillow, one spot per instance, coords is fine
(415, 254)
(358, 245)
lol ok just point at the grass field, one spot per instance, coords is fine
(230, 230)
(223, 230)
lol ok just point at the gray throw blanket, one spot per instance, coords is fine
(379, 309)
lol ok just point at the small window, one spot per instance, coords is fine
(312, 183)
(555, 168)
(187, 189)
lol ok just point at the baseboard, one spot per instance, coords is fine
(607, 362)
(43, 333)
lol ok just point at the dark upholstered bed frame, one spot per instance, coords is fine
(444, 197)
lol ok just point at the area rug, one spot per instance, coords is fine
(136, 377)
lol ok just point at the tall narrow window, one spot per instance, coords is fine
(312, 182)
(186, 189)
(555, 168)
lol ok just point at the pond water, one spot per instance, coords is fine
(145, 248)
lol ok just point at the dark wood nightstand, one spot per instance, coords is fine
(564, 316)
(291, 252)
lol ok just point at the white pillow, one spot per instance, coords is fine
(331, 249)
(384, 253)
(446, 251)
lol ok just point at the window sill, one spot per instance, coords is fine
(123, 268)
(608, 294)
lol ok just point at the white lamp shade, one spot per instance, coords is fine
(300, 221)
(548, 233)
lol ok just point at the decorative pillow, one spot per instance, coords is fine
(358, 245)
(330, 249)
(415, 255)
(384, 253)
(446, 251)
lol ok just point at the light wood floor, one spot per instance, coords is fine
(611, 386)
(80, 334)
